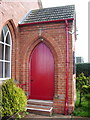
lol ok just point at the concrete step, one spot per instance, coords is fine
(40, 106)
(40, 102)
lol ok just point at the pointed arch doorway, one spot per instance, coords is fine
(41, 73)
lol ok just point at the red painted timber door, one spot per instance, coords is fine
(41, 73)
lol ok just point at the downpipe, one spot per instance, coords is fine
(67, 68)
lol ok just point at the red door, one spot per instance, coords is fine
(41, 73)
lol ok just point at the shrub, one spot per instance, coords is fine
(82, 85)
(13, 99)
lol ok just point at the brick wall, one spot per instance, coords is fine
(15, 10)
(10, 14)
(24, 40)
(54, 36)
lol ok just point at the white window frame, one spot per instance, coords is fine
(3, 59)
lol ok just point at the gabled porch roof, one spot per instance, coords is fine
(49, 14)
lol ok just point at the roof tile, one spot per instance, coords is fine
(49, 14)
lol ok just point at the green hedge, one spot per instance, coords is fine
(83, 67)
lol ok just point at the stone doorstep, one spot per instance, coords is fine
(40, 101)
(41, 113)
(40, 107)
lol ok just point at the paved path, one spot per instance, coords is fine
(53, 117)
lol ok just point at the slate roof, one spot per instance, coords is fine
(49, 14)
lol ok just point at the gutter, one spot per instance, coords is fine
(41, 22)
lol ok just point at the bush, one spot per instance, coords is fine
(13, 99)
(84, 109)
(83, 67)
(87, 96)
(82, 85)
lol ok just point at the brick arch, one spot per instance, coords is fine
(12, 28)
(10, 23)
(50, 42)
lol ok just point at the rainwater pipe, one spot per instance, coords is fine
(67, 53)
(67, 68)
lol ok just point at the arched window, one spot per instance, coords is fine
(5, 53)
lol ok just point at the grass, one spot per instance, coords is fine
(83, 110)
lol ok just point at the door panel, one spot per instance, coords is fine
(42, 73)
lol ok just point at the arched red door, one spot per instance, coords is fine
(41, 73)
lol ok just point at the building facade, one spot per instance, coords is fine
(10, 15)
(38, 53)
(79, 60)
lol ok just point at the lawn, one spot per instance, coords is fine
(83, 110)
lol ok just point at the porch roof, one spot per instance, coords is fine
(49, 14)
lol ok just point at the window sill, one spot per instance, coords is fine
(1, 79)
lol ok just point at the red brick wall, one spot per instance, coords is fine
(15, 10)
(10, 14)
(54, 36)
(24, 40)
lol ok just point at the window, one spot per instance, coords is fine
(5, 53)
